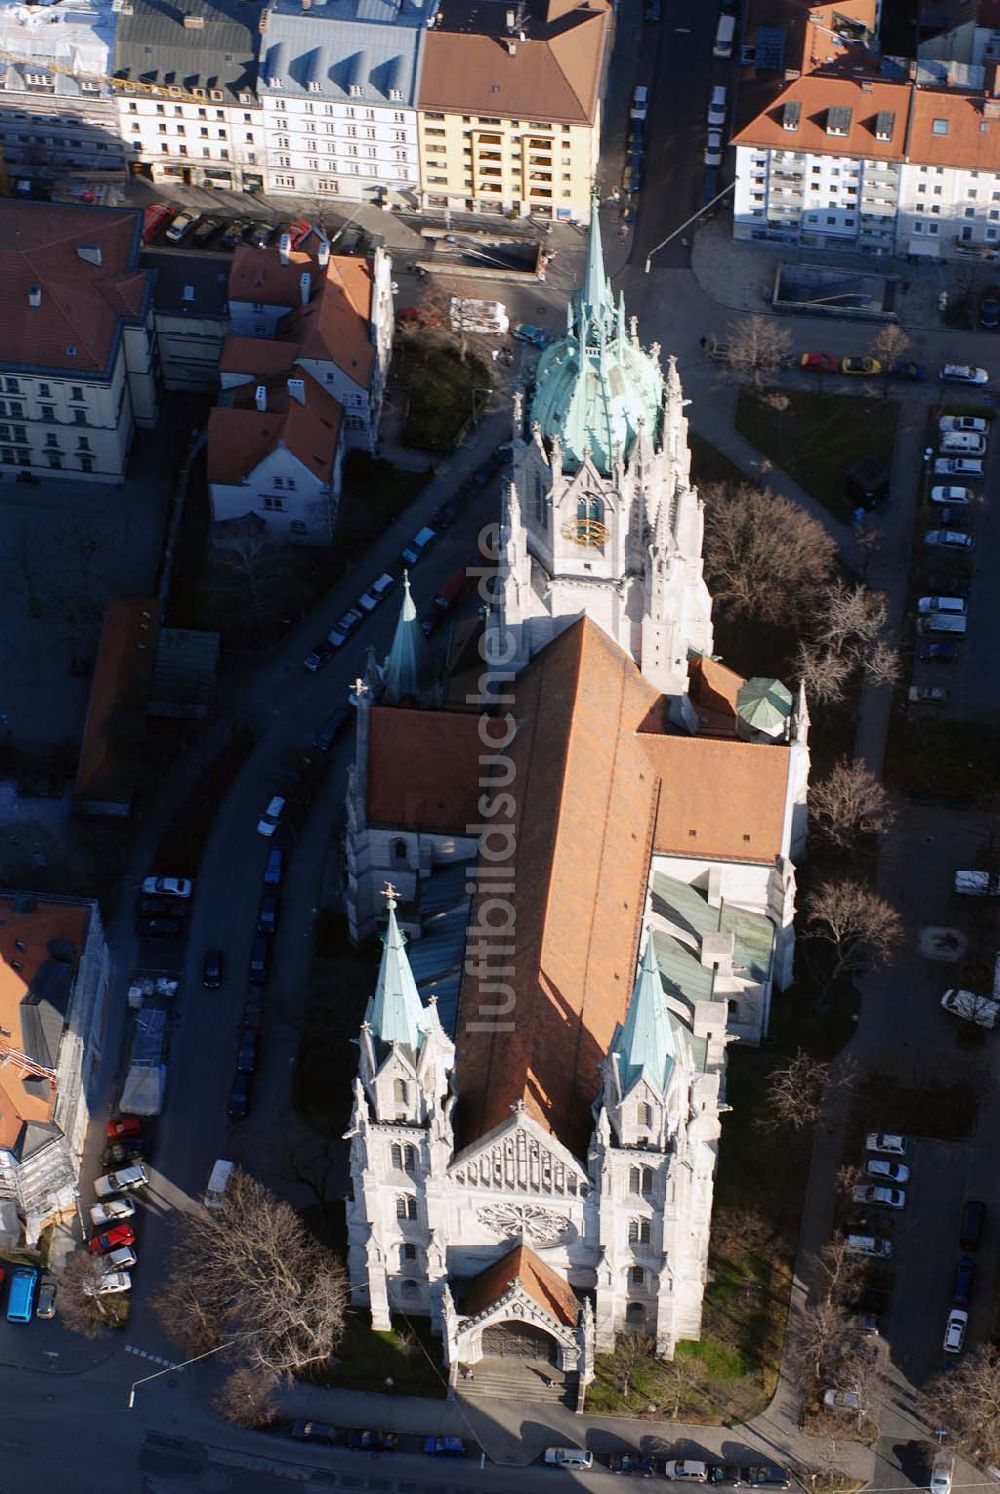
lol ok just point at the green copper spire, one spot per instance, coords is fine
(595, 387)
(645, 1044)
(409, 669)
(395, 1012)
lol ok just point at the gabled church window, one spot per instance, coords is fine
(399, 850)
(640, 1181)
(408, 1253)
(644, 1115)
(401, 1092)
(406, 1206)
(638, 1232)
(636, 1276)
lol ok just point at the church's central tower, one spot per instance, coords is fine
(601, 518)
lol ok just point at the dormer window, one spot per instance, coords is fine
(400, 1092)
(644, 1115)
(838, 121)
(939, 127)
(791, 114)
(885, 122)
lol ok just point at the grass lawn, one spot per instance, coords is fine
(818, 437)
(440, 389)
(409, 1356)
(709, 465)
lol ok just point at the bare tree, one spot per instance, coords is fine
(848, 1176)
(849, 615)
(765, 557)
(881, 664)
(794, 1094)
(824, 673)
(867, 544)
(632, 1351)
(862, 928)
(840, 1270)
(80, 1308)
(250, 1271)
(246, 1397)
(757, 345)
(818, 1332)
(966, 1400)
(677, 1380)
(888, 347)
(257, 568)
(848, 803)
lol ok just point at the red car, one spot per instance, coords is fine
(123, 1125)
(820, 362)
(112, 1239)
(299, 230)
(156, 216)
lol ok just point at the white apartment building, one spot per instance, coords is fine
(53, 124)
(338, 83)
(78, 368)
(206, 129)
(864, 164)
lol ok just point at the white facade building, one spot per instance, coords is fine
(611, 842)
(77, 367)
(206, 127)
(338, 84)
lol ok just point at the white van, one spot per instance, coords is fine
(971, 1007)
(569, 1457)
(869, 1245)
(962, 443)
(724, 34)
(944, 622)
(717, 106)
(215, 1194)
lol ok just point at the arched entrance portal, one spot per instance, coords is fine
(520, 1341)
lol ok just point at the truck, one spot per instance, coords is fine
(489, 318)
(152, 985)
(142, 1092)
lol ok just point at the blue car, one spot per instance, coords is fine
(444, 1447)
(915, 372)
(937, 651)
(525, 332)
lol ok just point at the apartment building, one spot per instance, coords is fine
(838, 148)
(78, 367)
(58, 114)
(206, 126)
(330, 315)
(338, 85)
(509, 107)
(54, 973)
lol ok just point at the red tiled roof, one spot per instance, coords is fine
(545, 1286)
(713, 690)
(257, 356)
(336, 325)
(721, 799)
(82, 304)
(423, 769)
(258, 275)
(106, 771)
(817, 93)
(240, 436)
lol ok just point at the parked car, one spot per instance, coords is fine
(843, 1400)
(240, 1092)
(865, 366)
(331, 729)
(109, 1283)
(869, 1245)
(205, 230)
(213, 970)
(964, 373)
(318, 657)
(526, 332)
(970, 1006)
(717, 105)
(111, 1239)
(972, 1224)
(274, 867)
(687, 1470)
(957, 606)
(267, 914)
(260, 234)
(377, 592)
(942, 1473)
(373, 1441)
(260, 959)
(949, 539)
(726, 1475)
(123, 1125)
(968, 423)
(769, 1476)
(168, 886)
(916, 372)
(888, 1142)
(977, 883)
(268, 822)
(420, 543)
(45, 1307)
(954, 1333)
(872, 1193)
(158, 926)
(651, 11)
(21, 1294)
(927, 695)
(713, 148)
(954, 497)
(945, 466)
(234, 233)
(124, 1181)
(181, 227)
(314, 1431)
(820, 362)
(444, 1447)
(155, 217)
(883, 1167)
(344, 627)
(965, 1275)
(989, 308)
(111, 1212)
(640, 101)
(938, 651)
(159, 907)
(121, 1259)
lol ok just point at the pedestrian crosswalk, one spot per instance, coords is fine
(152, 1358)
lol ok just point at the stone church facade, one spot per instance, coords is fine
(542, 1061)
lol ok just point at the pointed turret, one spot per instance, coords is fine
(645, 1044)
(595, 284)
(408, 672)
(395, 1013)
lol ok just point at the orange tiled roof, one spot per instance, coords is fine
(817, 93)
(554, 72)
(336, 325)
(554, 1295)
(107, 767)
(258, 275)
(257, 356)
(423, 769)
(730, 794)
(972, 140)
(83, 304)
(713, 690)
(240, 436)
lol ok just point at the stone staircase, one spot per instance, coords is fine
(519, 1380)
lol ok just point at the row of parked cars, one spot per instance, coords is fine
(942, 612)
(678, 1470)
(162, 220)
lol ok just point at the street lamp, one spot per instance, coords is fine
(664, 242)
(171, 1367)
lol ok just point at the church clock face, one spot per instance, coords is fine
(588, 528)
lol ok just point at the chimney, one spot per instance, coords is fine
(34, 295)
(194, 23)
(305, 287)
(323, 253)
(90, 253)
(285, 247)
(297, 390)
(511, 18)
(511, 46)
(260, 397)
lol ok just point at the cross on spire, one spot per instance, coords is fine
(389, 893)
(360, 686)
